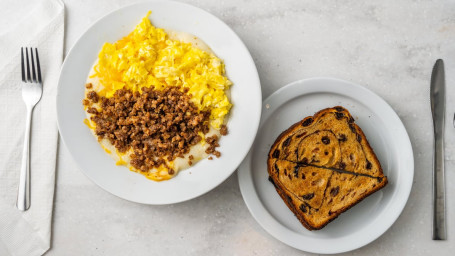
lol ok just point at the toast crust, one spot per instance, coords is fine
(371, 178)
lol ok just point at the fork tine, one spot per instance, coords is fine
(22, 64)
(33, 66)
(28, 65)
(38, 66)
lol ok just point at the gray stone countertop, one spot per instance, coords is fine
(387, 46)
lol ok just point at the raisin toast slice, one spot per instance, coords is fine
(322, 166)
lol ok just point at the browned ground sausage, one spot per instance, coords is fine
(157, 125)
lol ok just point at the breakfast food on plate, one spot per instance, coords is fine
(157, 101)
(322, 166)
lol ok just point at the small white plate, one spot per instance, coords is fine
(205, 175)
(386, 134)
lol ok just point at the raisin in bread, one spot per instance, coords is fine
(322, 166)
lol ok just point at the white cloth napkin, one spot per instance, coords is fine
(39, 24)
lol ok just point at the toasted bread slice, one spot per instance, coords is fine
(322, 166)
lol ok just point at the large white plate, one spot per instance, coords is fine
(205, 175)
(364, 222)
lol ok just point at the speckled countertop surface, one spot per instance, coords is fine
(387, 46)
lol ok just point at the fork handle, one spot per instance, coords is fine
(23, 193)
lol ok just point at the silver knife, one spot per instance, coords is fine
(437, 97)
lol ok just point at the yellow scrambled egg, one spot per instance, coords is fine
(147, 57)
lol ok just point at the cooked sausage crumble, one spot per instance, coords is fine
(156, 125)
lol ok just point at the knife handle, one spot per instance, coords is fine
(439, 220)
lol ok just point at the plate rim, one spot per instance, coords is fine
(255, 76)
(272, 225)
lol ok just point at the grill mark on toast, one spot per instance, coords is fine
(339, 170)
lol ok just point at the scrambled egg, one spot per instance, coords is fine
(147, 57)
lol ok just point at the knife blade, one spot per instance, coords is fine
(437, 98)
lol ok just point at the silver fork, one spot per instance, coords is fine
(32, 89)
